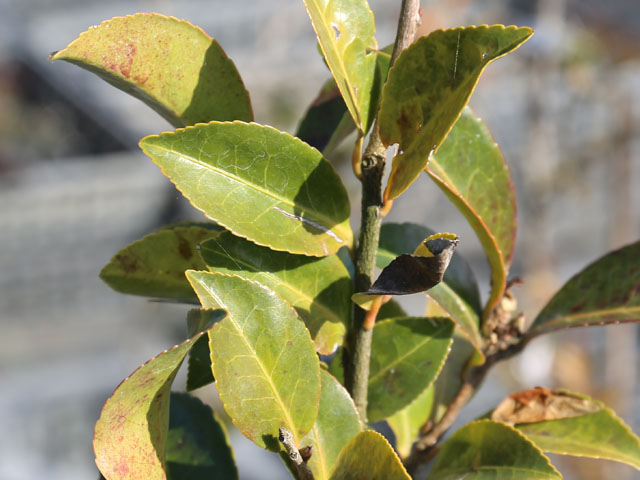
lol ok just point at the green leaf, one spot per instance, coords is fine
(428, 87)
(487, 450)
(345, 31)
(260, 183)
(199, 373)
(154, 266)
(607, 291)
(336, 424)
(458, 292)
(406, 357)
(470, 170)
(131, 433)
(318, 288)
(263, 359)
(369, 456)
(197, 445)
(172, 66)
(406, 423)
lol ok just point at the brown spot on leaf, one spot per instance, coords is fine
(127, 264)
(184, 248)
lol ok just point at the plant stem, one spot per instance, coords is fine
(357, 353)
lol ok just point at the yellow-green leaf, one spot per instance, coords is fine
(130, 436)
(172, 66)
(336, 424)
(154, 266)
(406, 357)
(318, 288)
(369, 456)
(470, 170)
(345, 31)
(260, 183)
(487, 450)
(428, 87)
(406, 423)
(263, 359)
(607, 291)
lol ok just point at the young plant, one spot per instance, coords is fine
(282, 282)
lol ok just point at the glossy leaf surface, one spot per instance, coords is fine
(197, 444)
(336, 424)
(607, 291)
(318, 288)
(130, 436)
(263, 359)
(600, 434)
(428, 87)
(486, 450)
(154, 266)
(407, 422)
(199, 372)
(260, 183)
(470, 170)
(172, 66)
(458, 292)
(369, 456)
(345, 31)
(407, 355)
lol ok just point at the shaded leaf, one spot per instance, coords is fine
(390, 309)
(458, 292)
(260, 183)
(600, 434)
(199, 373)
(336, 424)
(263, 359)
(607, 291)
(470, 170)
(406, 423)
(197, 444)
(131, 433)
(428, 87)
(421, 271)
(172, 66)
(406, 357)
(345, 33)
(318, 288)
(154, 266)
(369, 456)
(488, 450)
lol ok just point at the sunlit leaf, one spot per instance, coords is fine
(318, 288)
(458, 292)
(369, 456)
(470, 170)
(345, 31)
(336, 424)
(263, 359)
(407, 422)
(607, 291)
(487, 450)
(260, 183)
(428, 87)
(172, 66)
(131, 434)
(197, 444)
(406, 357)
(154, 266)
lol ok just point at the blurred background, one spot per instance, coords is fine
(74, 188)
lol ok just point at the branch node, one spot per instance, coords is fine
(297, 458)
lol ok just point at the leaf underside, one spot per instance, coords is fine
(172, 66)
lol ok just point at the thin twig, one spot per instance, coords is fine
(357, 353)
(302, 469)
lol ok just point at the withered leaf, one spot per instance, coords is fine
(540, 404)
(418, 272)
